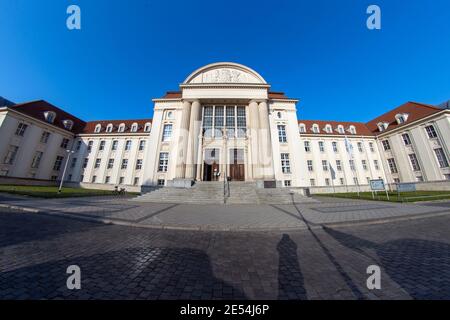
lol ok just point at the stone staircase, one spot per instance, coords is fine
(213, 193)
(200, 193)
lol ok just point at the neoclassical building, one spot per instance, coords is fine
(225, 122)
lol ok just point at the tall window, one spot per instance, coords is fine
(372, 149)
(360, 147)
(64, 143)
(312, 182)
(163, 161)
(442, 159)
(114, 145)
(325, 165)
(282, 133)
(352, 165)
(392, 165)
(74, 163)
(321, 146)
(85, 163)
(338, 165)
(376, 164)
(241, 122)
(102, 145)
(110, 163)
(11, 155)
(124, 164)
(36, 160)
(97, 163)
(90, 144)
(230, 124)
(219, 121)
(386, 145)
(364, 164)
(141, 145)
(307, 146)
(167, 132)
(414, 162)
(310, 165)
(335, 147)
(138, 164)
(21, 128)
(58, 163)
(128, 145)
(285, 163)
(431, 132)
(406, 139)
(45, 136)
(79, 142)
(208, 113)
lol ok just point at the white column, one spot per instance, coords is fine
(194, 132)
(183, 140)
(253, 132)
(265, 143)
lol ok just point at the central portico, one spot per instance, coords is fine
(217, 126)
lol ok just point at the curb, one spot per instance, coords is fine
(228, 229)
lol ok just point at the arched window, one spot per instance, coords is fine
(382, 126)
(68, 124)
(315, 128)
(148, 127)
(352, 129)
(134, 127)
(121, 127)
(109, 128)
(98, 128)
(50, 116)
(328, 128)
(341, 129)
(302, 128)
(401, 118)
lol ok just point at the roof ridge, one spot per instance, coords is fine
(111, 120)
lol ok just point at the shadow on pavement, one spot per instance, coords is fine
(133, 273)
(290, 277)
(420, 267)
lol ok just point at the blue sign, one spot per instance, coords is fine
(406, 187)
(377, 185)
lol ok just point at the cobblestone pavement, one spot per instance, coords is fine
(121, 262)
(224, 217)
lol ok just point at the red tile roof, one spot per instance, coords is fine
(414, 110)
(361, 128)
(90, 126)
(277, 95)
(36, 109)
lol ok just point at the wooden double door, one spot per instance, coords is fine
(237, 165)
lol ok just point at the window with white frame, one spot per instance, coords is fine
(386, 145)
(335, 147)
(310, 165)
(328, 128)
(352, 129)
(341, 129)
(442, 159)
(325, 165)
(406, 139)
(107, 179)
(11, 155)
(321, 146)
(21, 128)
(110, 163)
(102, 145)
(148, 127)
(64, 143)
(121, 128)
(134, 127)
(341, 180)
(167, 132)
(392, 165)
(360, 147)
(138, 164)
(74, 163)
(128, 145)
(45, 136)
(109, 128)
(94, 179)
(36, 160)
(371, 147)
(414, 162)
(98, 128)
(163, 161)
(90, 144)
(285, 163)
(364, 165)
(97, 163)
(121, 180)
(85, 163)
(315, 128)
(141, 145)
(68, 124)
(287, 183)
(302, 128)
(49, 116)
(124, 164)
(338, 165)
(161, 182)
(352, 165)
(431, 132)
(312, 182)
(307, 146)
(136, 181)
(114, 145)
(355, 181)
(58, 163)
(327, 182)
(376, 164)
(282, 138)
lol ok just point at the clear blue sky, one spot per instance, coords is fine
(320, 51)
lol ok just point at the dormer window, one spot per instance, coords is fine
(341, 129)
(328, 129)
(401, 118)
(315, 128)
(352, 129)
(68, 124)
(109, 128)
(98, 128)
(382, 126)
(148, 127)
(134, 127)
(50, 116)
(302, 128)
(121, 128)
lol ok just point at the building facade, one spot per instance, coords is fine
(225, 122)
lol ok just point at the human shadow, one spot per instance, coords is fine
(131, 273)
(290, 277)
(420, 267)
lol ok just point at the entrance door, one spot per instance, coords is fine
(211, 172)
(237, 166)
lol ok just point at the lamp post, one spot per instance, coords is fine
(69, 153)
